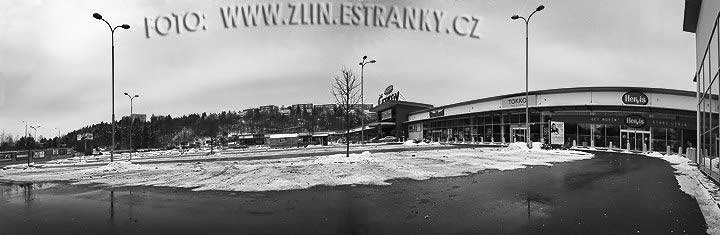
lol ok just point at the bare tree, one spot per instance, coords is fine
(346, 90)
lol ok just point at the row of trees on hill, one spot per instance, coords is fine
(165, 131)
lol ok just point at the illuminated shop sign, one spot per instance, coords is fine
(519, 101)
(437, 113)
(635, 121)
(635, 98)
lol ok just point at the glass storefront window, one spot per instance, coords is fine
(488, 133)
(689, 138)
(612, 133)
(497, 129)
(599, 135)
(673, 139)
(659, 141)
(570, 133)
(534, 117)
(584, 138)
(535, 132)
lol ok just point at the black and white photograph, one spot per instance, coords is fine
(359, 117)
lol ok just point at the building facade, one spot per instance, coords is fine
(392, 116)
(702, 17)
(603, 117)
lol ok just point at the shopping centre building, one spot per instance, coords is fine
(603, 117)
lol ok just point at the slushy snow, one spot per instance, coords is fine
(301, 172)
(696, 184)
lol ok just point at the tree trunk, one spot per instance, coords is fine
(347, 122)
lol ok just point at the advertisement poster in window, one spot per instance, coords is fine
(557, 132)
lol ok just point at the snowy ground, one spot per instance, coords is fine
(300, 172)
(204, 154)
(696, 184)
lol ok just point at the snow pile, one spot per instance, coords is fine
(537, 145)
(696, 184)
(118, 166)
(301, 172)
(517, 146)
(410, 143)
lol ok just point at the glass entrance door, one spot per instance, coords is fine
(635, 140)
(518, 134)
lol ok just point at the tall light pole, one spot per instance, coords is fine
(112, 43)
(362, 96)
(58, 137)
(35, 129)
(131, 120)
(26, 133)
(527, 100)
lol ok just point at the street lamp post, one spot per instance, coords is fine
(34, 136)
(527, 100)
(25, 142)
(131, 120)
(35, 130)
(26, 133)
(112, 43)
(362, 96)
(58, 137)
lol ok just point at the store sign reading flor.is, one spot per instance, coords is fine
(635, 98)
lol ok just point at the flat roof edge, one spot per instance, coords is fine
(564, 90)
(690, 18)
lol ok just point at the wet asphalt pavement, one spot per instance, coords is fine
(609, 194)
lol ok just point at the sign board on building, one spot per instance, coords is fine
(38, 154)
(635, 98)
(85, 136)
(635, 121)
(437, 113)
(4, 157)
(685, 122)
(557, 133)
(385, 115)
(519, 101)
(388, 90)
(386, 98)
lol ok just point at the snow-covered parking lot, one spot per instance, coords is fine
(301, 172)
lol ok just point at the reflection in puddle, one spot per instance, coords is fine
(8, 191)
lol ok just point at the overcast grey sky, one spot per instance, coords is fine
(55, 58)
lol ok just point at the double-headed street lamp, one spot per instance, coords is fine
(112, 43)
(35, 129)
(362, 96)
(132, 97)
(527, 100)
